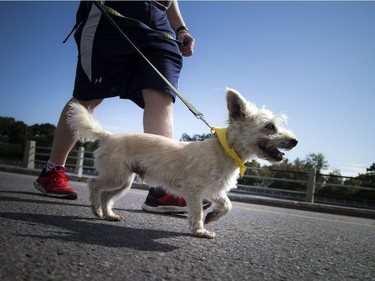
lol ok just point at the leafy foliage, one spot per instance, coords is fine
(196, 137)
(13, 137)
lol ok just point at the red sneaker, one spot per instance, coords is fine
(158, 201)
(55, 183)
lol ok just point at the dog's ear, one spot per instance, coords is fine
(237, 105)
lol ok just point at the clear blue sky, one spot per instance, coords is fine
(313, 61)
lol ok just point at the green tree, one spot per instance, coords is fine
(317, 161)
(42, 134)
(5, 124)
(298, 165)
(291, 171)
(196, 137)
(334, 177)
(18, 133)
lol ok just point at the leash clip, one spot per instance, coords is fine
(201, 117)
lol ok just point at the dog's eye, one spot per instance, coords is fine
(270, 126)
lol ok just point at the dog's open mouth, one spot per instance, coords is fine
(272, 152)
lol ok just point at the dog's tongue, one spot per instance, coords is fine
(280, 155)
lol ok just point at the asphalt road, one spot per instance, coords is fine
(44, 238)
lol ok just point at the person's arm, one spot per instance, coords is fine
(178, 24)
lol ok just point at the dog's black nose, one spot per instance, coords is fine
(293, 142)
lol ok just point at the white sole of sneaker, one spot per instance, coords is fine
(165, 209)
(54, 195)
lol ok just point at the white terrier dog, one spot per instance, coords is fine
(194, 170)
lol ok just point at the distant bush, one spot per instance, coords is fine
(10, 150)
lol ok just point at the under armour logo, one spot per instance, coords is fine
(98, 80)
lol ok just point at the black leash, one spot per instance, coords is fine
(104, 10)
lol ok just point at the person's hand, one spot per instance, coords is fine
(188, 42)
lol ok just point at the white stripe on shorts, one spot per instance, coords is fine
(87, 40)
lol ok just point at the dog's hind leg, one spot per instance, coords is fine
(95, 186)
(221, 206)
(107, 188)
(108, 198)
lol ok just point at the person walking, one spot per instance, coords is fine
(108, 66)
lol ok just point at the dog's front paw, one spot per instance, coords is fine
(113, 217)
(203, 233)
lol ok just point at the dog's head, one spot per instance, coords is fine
(256, 132)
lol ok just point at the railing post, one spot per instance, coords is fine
(310, 190)
(29, 155)
(79, 163)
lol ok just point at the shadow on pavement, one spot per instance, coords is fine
(43, 199)
(95, 232)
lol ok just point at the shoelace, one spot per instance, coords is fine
(61, 180)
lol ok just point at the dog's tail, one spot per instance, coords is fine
(83, 124)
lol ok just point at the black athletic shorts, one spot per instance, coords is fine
(109, 66)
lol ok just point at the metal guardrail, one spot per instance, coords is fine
(33, 154)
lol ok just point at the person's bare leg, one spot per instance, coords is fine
(158, 119)
(158, 113)
(64, 139)
(53, 181)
